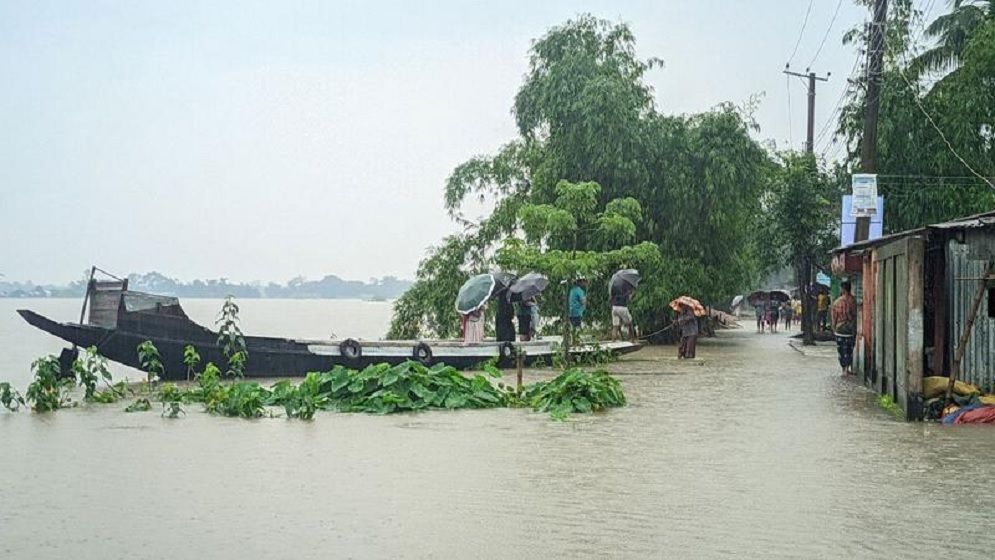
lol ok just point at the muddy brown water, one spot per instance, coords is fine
(753, 450)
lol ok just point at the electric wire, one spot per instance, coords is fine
(828, 30)
(802, 32)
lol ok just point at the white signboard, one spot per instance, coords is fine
(865, 195)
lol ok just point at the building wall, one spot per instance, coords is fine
(965, 264)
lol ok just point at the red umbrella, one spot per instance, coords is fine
(687, 301)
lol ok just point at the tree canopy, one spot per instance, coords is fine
(936, 131)
(598, 177)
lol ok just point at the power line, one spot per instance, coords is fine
(828, 30)
(932, 123)
(839, 101)
(801, 33)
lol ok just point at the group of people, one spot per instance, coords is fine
(526, 313)
(770, 313)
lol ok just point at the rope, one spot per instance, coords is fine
(664, 329)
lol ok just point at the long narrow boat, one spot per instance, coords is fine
(120, 319)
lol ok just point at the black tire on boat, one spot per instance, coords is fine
(422, 353)
(506, 351)
(351, 349)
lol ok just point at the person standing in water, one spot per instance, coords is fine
(844, 325)
(689, 333)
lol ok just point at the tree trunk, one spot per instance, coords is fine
(805, 281)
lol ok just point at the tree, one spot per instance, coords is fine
(953, 31)
(688, 185)
(803, 202)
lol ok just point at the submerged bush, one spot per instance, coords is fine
(377, 389)
(575, 390)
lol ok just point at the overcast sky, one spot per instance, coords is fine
(266, 140)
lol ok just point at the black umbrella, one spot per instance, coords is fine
(779, 295)
(527, 287)
(502, 281)
(623, 281)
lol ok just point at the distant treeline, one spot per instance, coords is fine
(329, 287)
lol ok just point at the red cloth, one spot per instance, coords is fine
(983, 415)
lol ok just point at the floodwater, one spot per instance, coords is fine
(753, 450)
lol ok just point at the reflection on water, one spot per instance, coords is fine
(752, 451)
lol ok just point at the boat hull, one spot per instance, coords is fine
(277, 357)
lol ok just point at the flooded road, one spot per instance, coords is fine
(753, 450)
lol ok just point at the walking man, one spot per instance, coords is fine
(759, 308)
(845, 327)
(787, 312)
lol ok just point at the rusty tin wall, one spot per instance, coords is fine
(963, 269)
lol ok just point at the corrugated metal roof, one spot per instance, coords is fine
(984, 219)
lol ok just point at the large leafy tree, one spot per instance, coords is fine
(687, 186)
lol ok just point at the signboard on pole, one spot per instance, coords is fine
(865, 195)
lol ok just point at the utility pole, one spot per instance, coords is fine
(805, 270)
(812, 78)
(869, 142)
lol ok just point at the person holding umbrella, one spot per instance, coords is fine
(471, 301)
(524, 291)
(688, 309)
(620, 289)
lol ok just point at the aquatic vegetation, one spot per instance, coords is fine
(574, 390)
(89, 369)
(140, 405)
(148, 356)
(245, 399)
(230, 338)
(889, 404)
(191, 359)
(377, 389)
(172, 410)
(10, 398)
(49, 390)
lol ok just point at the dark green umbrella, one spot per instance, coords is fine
(474, 293)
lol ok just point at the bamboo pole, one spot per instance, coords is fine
(520, 363)
(964, 336)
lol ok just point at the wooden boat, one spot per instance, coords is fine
(119, 320)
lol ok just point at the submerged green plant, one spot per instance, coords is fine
(49, 390)
(575, 390)
(10, 398)
(230, 338)
(89, 369)
(140, 405)
(151, 361)
(191, 359)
